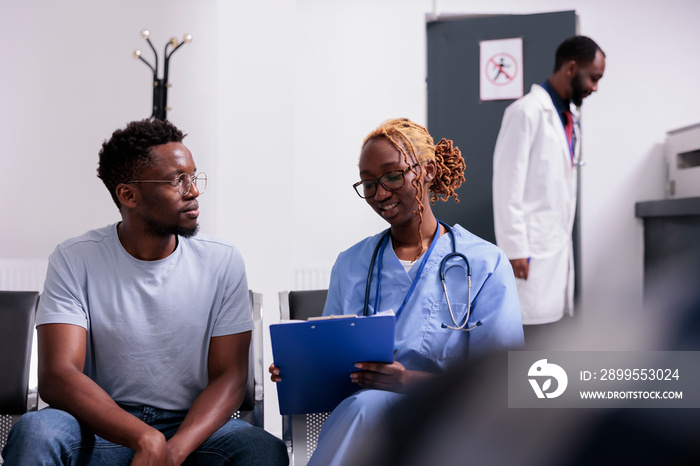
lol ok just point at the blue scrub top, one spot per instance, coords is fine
(421, 342)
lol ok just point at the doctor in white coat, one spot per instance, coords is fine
(534, 181)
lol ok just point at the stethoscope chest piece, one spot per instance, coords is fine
(444, 267)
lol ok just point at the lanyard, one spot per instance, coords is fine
(380, 261)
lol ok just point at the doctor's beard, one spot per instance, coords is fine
(577, 90)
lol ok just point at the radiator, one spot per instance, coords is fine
(22, 274)
(312, 277)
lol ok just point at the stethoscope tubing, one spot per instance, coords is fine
(443, 269)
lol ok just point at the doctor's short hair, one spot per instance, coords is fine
(128, 151)
(581, 49)
(411, 138)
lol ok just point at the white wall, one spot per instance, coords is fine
(68, 80)
(276, 97)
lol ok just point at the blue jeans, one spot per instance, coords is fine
(54, 437)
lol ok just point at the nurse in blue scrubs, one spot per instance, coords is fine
(402, 173)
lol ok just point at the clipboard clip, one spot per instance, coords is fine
(333, 316)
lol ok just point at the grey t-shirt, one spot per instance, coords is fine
(149, 323)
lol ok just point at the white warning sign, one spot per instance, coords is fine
(501, 63)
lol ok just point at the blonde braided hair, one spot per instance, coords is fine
(409, 137)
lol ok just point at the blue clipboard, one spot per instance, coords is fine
(316, 357)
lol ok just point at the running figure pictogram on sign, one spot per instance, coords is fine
(501, 69)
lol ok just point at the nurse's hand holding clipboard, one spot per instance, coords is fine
(390, 377)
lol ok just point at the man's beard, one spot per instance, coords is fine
(577, 90)
(158, 229)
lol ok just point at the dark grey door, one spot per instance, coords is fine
(455, 111)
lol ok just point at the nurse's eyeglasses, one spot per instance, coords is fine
(390, 181)
(183, 182)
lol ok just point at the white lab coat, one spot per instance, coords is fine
(534, 203)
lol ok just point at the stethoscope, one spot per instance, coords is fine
(576, 161)
(444, 267)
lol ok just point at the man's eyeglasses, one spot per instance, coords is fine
(390, 181)
(183, 182)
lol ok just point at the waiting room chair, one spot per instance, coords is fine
(300, 431)
(252, 408)
(17, 316)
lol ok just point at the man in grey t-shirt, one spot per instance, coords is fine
(144, 327)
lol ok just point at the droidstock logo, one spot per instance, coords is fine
(545, 372)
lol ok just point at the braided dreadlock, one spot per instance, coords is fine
(409, 137)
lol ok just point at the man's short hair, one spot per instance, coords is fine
(582, 49)
(128, 151)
